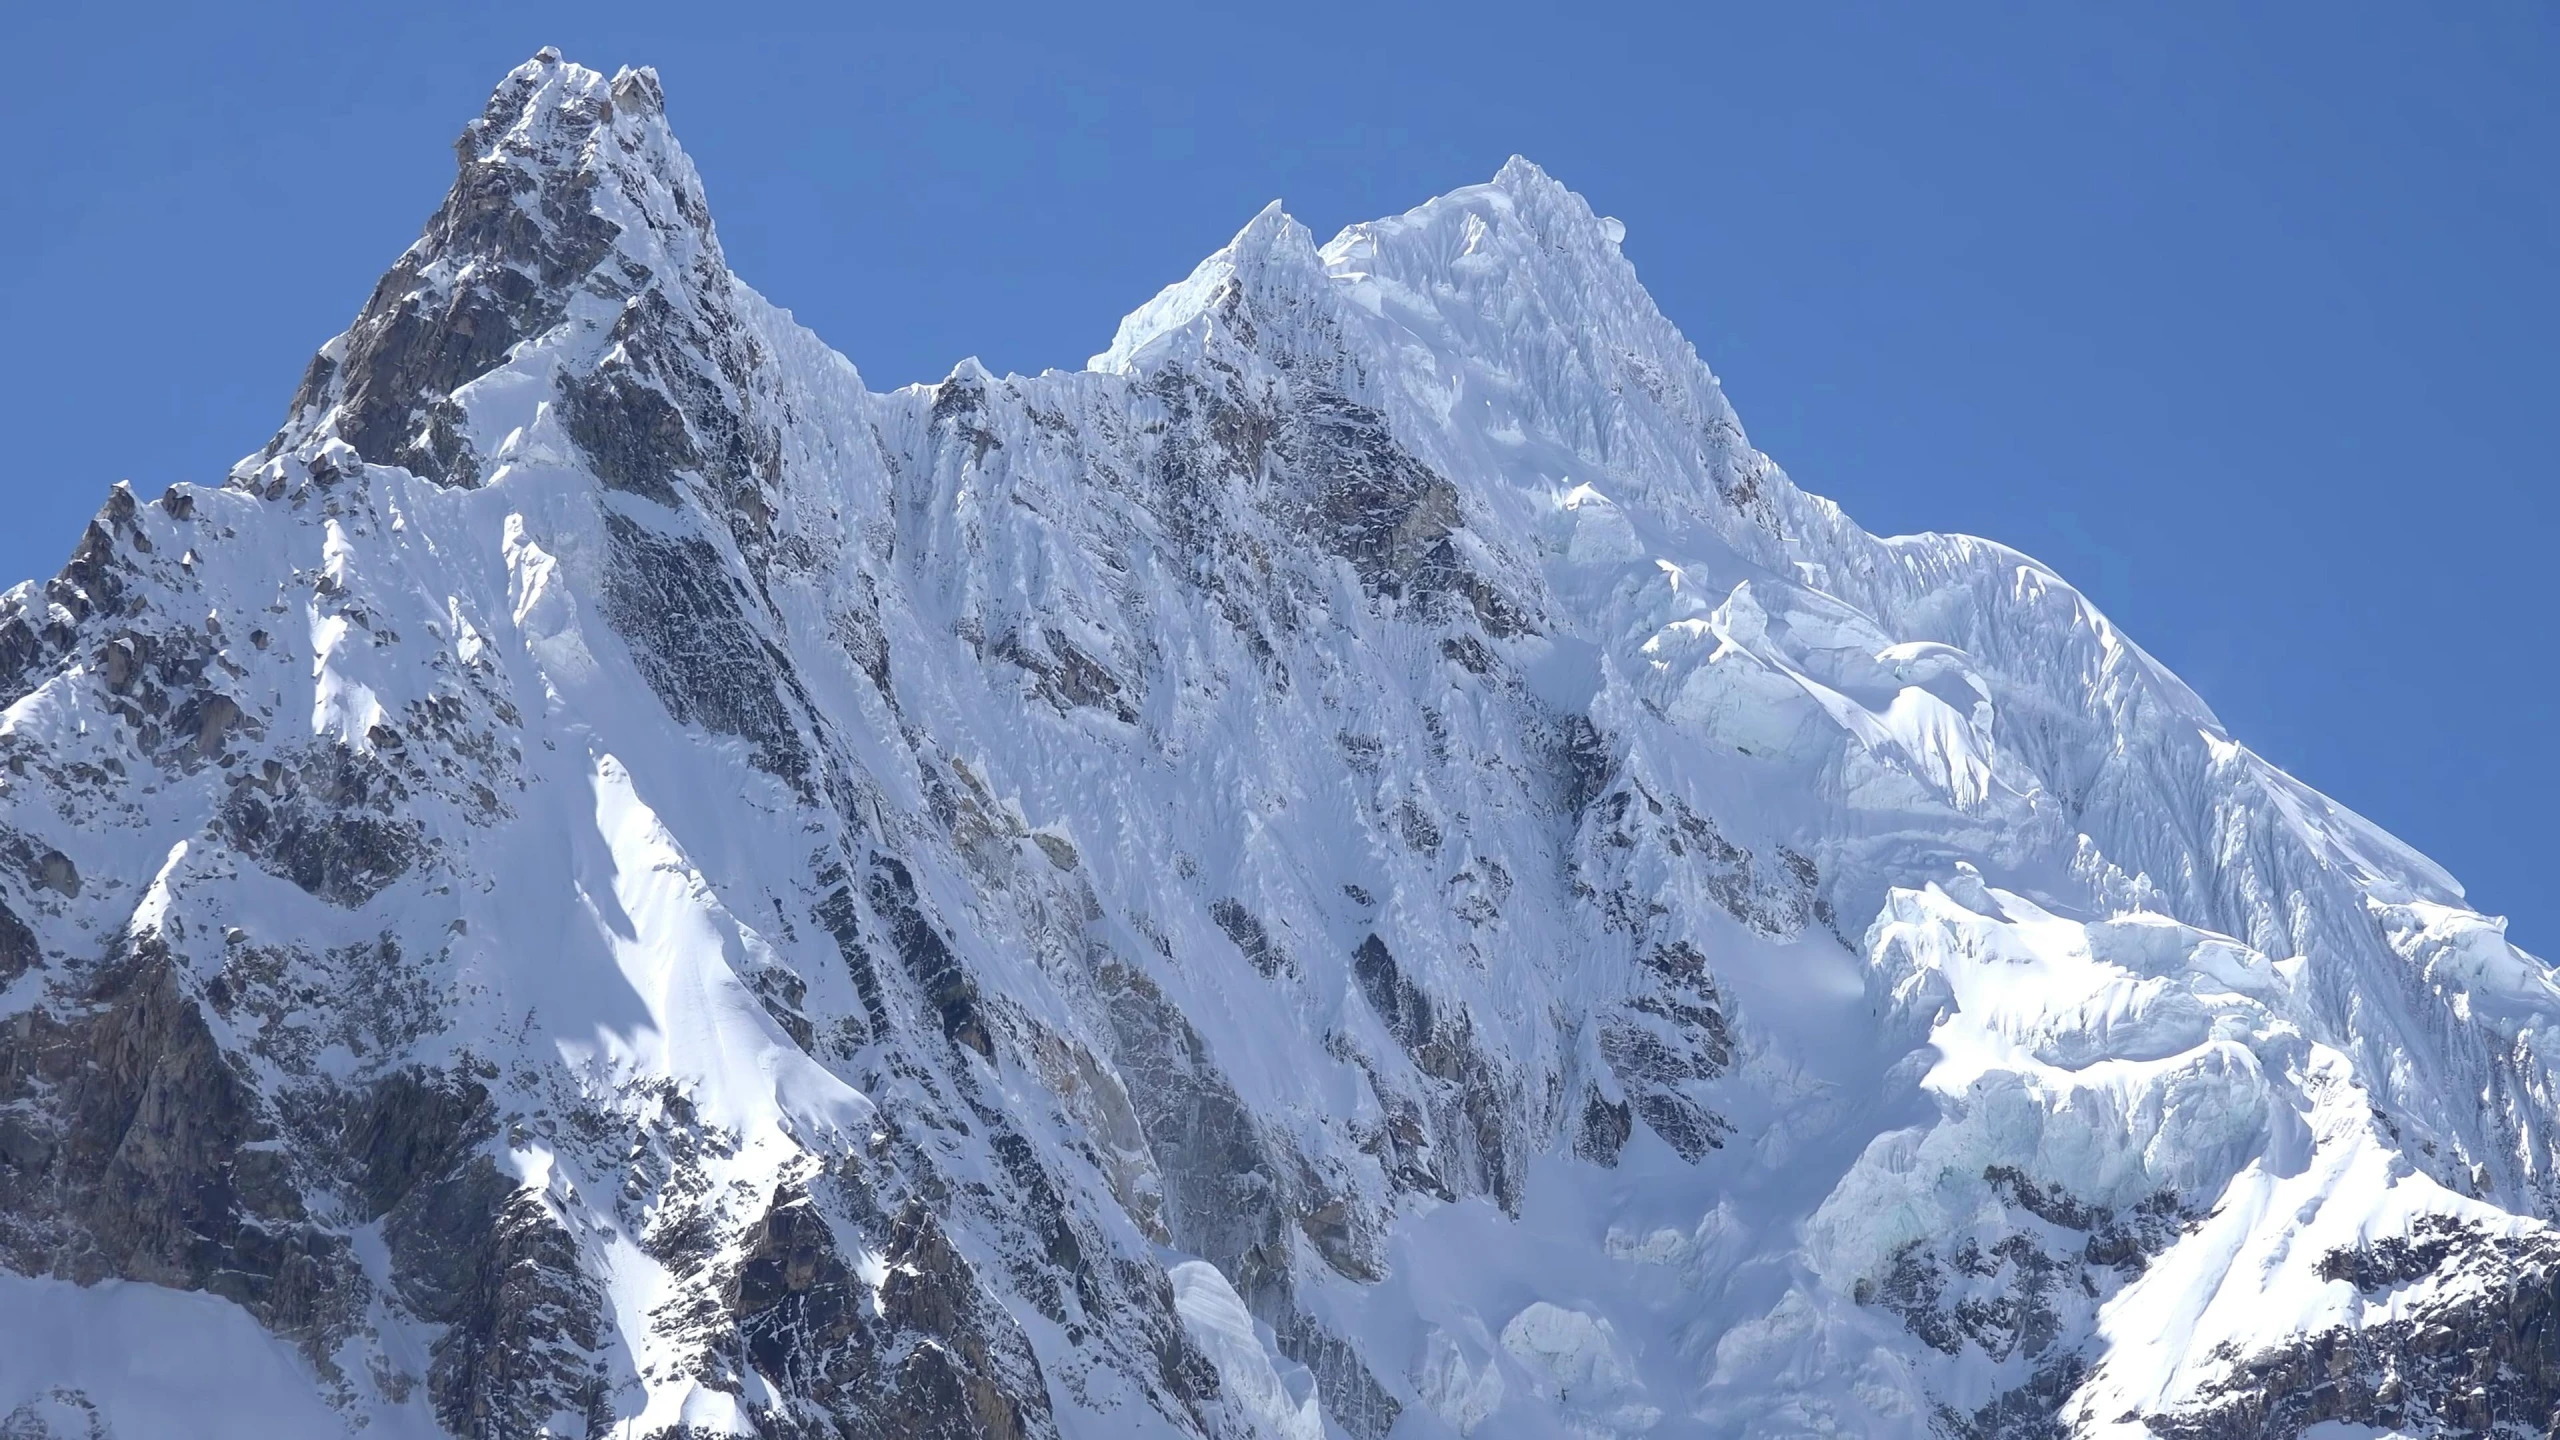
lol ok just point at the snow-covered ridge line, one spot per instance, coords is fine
(1365, 866)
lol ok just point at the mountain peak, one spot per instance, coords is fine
(568, 184)
(547, 99)
(1387, 876)
(1521, 176)
(1272, 252)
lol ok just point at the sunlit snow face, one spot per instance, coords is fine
(1367, 849)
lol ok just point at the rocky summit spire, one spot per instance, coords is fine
(571, 188)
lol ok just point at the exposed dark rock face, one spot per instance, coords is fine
(2476, 1352)
(410, 1132)
(1402, 1006)
(2032, 1411)
(674, 600)
(497, 265)
(1353, 1397)
(657, 417)
(1224, 1196)
(799, 1307)
(632, 435)
(20, 951)
(1067, 677)
(132, 1148)
(1474, 1109)
(1775, 900)
(2123, 1241)
(55, 872)
(2018, 1294)
(21, 646)
(1246, 929)
(1231, 1199)
(1944, 1300)
(47, 624)
(331, 823)
(914, 1357)
(1670, 1037)
(1386, 512)
(266, 995)
(978, 1382)
(523, 1314)
(1667, 1040)
(948, 990)
(836, 914)
(92, 581)
(1603, 1128)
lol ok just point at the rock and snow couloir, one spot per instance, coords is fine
(1363, 866)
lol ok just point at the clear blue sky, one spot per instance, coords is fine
(2240, 316)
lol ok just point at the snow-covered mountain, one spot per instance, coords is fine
(1364, 866)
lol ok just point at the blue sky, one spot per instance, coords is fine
(2242, 317)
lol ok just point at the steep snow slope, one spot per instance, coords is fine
(1364, 865)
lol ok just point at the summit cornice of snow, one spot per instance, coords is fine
(1272, 248)
(1363, 867)
(1548, 232)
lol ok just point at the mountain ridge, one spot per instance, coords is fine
(1365, 865)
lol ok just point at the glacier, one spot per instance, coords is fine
(1362, 866)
